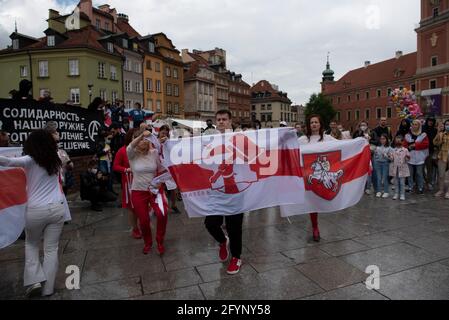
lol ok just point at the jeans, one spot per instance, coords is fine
(416, 172)
(104, 167)
(234, 229)
(382, 169)
(46, 222)
(400, 186)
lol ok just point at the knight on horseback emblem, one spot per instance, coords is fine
(321, 178)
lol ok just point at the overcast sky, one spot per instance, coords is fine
(285, 41)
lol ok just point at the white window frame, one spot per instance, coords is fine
(167, 71)
(138, 85)
(114, 96)
(127, 86)
(158, 86)
(175, 73)
(151, 47)
(74, 69)
(103, 94)
(125, 43)
(169, 89)
(101, 70)
(138, 67)
(23, 70)
(158, 105)
(75, 95)
(150, 85)
(43, 69)
(15, 44)
(431, 60)
(150, 104)
(110, 47)
(51, 41)
(113, 70)
(176, 90)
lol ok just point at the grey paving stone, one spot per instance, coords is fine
(270, 262)
(430, 282)
(354, 292)
(166, 281)
(305, 255)
(377, 240)
(341, 248)
(391, 259)
(433, 243)
(278, 284)
(190, 294)
(332, 273)
(190, 258)
(112, 290)
(217, 271)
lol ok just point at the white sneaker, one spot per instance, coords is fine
(395, 197)
(368, 191)
(386, 195)
(446, 196)
(402, 198)
(34, 291)
(439, 194)
(378, 195)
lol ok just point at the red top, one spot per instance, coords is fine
(121, 162)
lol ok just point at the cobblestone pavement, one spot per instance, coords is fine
(408, 241)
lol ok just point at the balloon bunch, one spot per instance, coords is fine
(404, 101)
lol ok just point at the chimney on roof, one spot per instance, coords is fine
(399, 54)
(86, 8)
(367, 64)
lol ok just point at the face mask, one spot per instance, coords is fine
(94, 171)
(108, 141)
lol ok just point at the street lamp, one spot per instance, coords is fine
(90, 86)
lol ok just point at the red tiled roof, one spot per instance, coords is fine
(265, 86)
(382, 72)
(124, 26)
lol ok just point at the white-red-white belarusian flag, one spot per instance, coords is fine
(236, 172)
(13, 200)
(335, 174)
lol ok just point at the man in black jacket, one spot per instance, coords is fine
(94, 187)
(431, 131)
(383, 129)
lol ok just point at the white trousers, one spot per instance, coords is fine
(46, 222)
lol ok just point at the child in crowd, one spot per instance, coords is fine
(382, 158)
(399, 168)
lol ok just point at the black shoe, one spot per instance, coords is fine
(421, 192)
(175, 210)
(97, 208)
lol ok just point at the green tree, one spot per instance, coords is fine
(322, 106)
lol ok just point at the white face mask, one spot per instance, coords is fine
(94, 171)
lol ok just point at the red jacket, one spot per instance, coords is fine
(121, 162)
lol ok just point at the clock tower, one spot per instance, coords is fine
(433, 56)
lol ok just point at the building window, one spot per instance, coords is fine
(148, 64)
(23, 71)
(175, 73)
(367, 114)
(157, 67)
(103, 94)
(357, 115)
(138, 67)
(367, 95)
(349, 98)
(151, 47)
(413, 87)
(176, 90)
(128, 104)
(434, 61)
(75, 95)
(269, 107)
(389, 91)
(338, 100)
(168, 89)
(436, 12)
(168, 71)
(113, 73)
(263, 119)
(125, 43)
(101, 70)
(379, 93)
(338, 116)
(127, 86)
(74, 67)
(149, 84)
(169, 108)
(176, 106)
(51, 41)
(114, 96)
(389, 113)
(138, 87)
(348, 115)
(379, 113)
(253, 108)
(433, 84)
(158, 86)
(158, 106)
(263, 108)
(15, 44)
(110, 47)
(43, 69)
(150, 104)
(358, 96)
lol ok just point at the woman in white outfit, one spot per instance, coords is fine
(45, 210)
(315, 134)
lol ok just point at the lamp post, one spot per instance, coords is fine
(90, 86)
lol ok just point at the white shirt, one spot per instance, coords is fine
(144, 168)
(42, 189)
(315, 139)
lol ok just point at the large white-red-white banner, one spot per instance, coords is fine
(13, 200)
(236, 172)
(335, 174)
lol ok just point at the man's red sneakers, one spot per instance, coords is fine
(136, 234)
(147, 249)
(224, 252)
(161, 249)
(234, 266)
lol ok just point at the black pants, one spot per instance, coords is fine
(97, 195)
(233, 227)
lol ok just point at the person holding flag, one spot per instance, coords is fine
(45, 210)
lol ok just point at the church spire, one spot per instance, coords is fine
(328, 74)
(15, 23)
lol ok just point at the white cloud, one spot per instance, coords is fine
(285, 42)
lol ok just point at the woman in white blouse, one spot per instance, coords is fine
(315, 134)
(45, 210)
